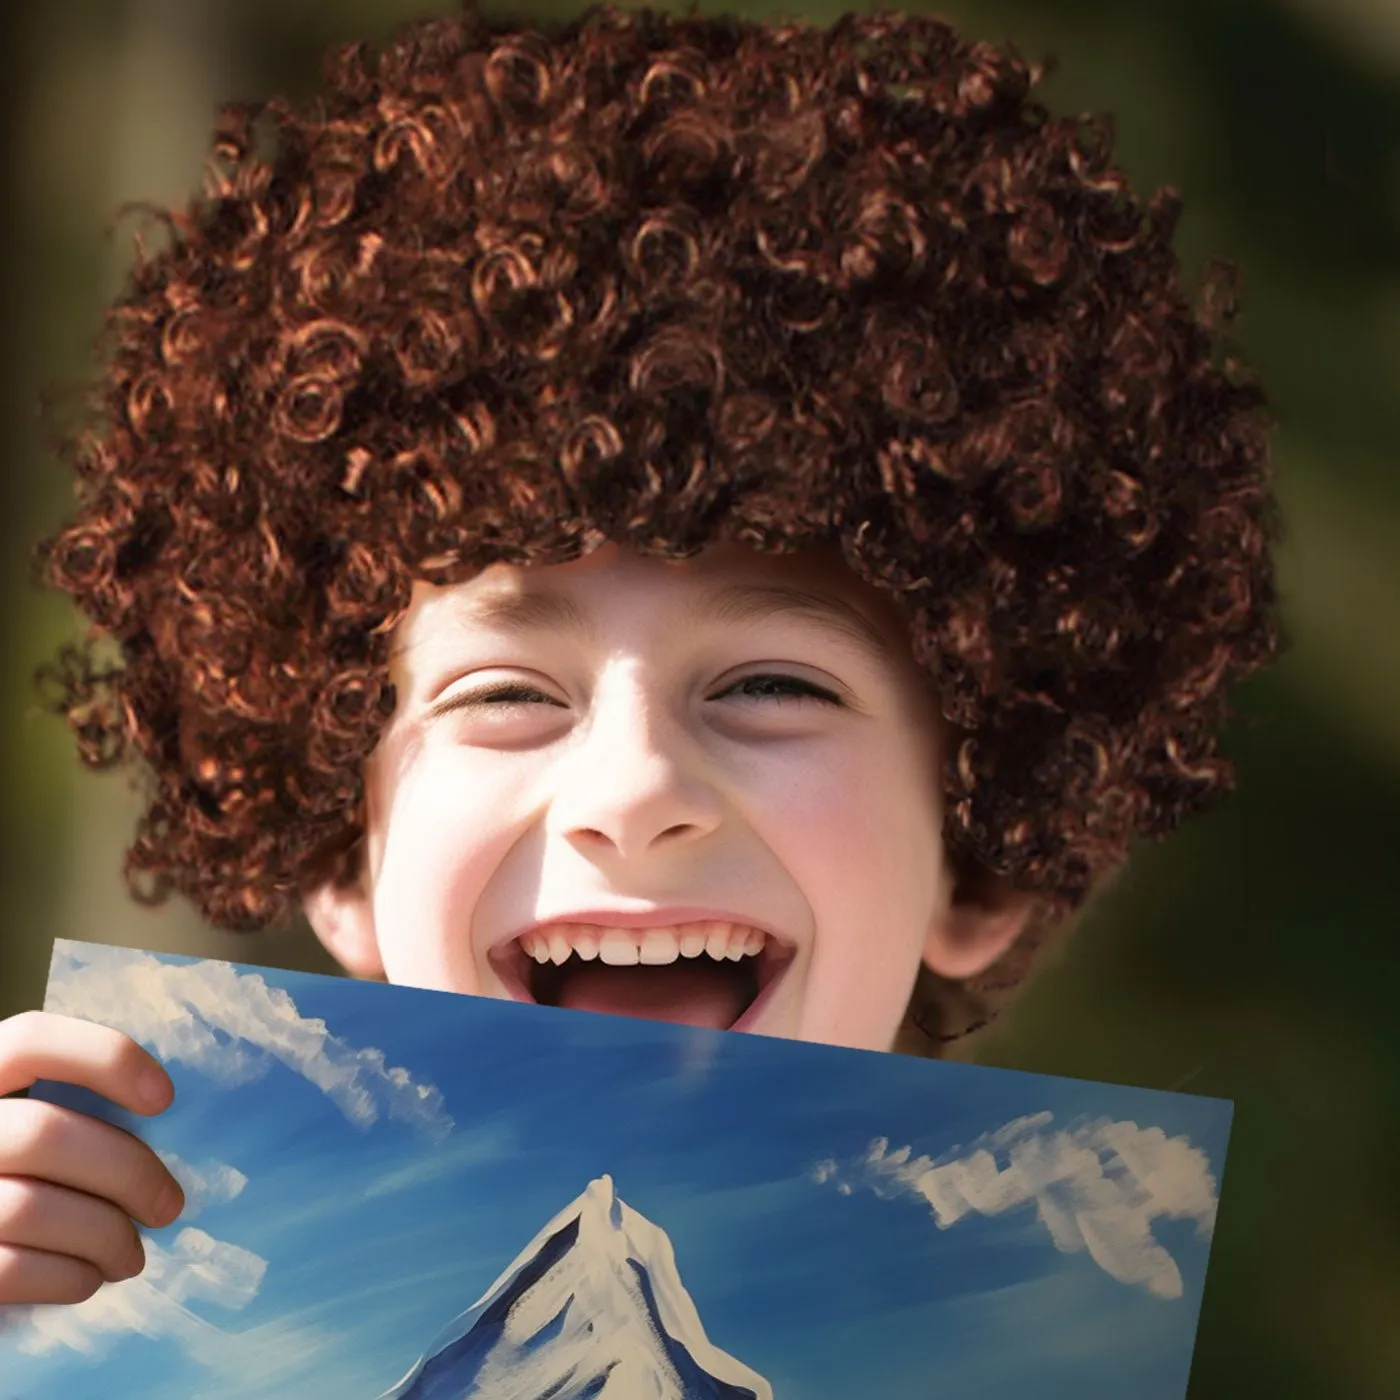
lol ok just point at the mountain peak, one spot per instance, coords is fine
(599, 1201)
(592, 1309)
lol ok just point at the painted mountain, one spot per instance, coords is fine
(592, 1309)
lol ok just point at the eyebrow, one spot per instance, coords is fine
(739, 603)
(732, 605)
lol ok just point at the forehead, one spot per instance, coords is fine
(723, 585)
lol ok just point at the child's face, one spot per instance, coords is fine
(732, 742)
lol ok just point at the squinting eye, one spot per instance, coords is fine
(506, 695)
(509, 695)
(779, 687)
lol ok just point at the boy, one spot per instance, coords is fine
(678, 517)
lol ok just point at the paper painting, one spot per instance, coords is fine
(398, 1194)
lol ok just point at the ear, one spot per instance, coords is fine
(340, 910)
(981, 920)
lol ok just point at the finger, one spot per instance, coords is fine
(42, 1216)
(42, 1045)
(72, 1149)
(35, 1276)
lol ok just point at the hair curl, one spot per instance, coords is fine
(506, 292)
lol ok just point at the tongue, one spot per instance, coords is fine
(688, 994)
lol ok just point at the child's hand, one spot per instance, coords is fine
(70, 1185)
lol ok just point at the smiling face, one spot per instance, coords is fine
(703, 791)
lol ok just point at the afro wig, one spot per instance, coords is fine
(506, 292)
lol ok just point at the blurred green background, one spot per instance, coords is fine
(1254, 955)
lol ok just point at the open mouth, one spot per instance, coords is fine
(702, 973)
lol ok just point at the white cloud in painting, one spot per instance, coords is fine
(283, 1356)
(196, 1268)
(229, 1025)
(207, 1184)
(1097, 1187)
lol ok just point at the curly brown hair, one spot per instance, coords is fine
(506, 292)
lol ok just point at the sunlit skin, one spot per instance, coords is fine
(777, 764)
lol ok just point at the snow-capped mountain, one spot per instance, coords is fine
(591, 1309)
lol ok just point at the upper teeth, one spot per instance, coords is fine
(625, 947)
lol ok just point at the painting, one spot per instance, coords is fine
(400, 1194)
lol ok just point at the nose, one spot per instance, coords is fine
(635, 778)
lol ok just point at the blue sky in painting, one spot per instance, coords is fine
(363, 1161)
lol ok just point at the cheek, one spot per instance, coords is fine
(863, 832)
(440, 838)
(864, 844)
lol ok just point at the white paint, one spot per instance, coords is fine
(1097, 1188)
(608, 1327)
(194, 1268)
(209, 1183)
(178, 1009)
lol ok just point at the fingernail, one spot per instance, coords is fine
(136, 1260)
(169, 1204)
(154, 1087)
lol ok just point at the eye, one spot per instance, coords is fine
(774, 686)
(505, 695)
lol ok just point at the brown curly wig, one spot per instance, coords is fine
(507, 292)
